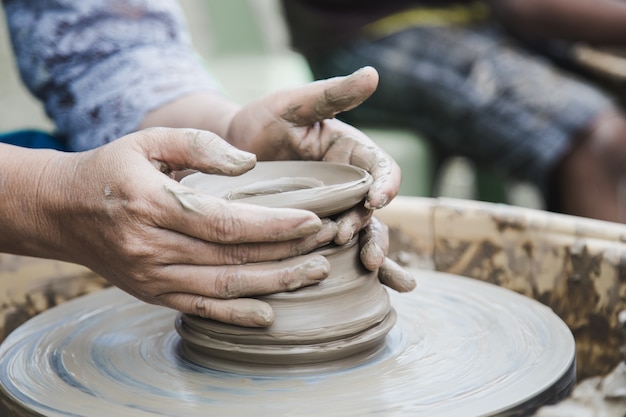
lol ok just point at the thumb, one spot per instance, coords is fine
(172, 149)
(324, 99)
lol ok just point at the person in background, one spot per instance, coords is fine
(109, 69)
(486, 80)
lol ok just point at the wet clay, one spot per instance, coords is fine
(347, 315)
(460, 347)
(325, 188)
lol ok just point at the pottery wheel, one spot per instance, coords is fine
(460, 347)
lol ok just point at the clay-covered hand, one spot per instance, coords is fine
(299, 123)
(374, 242)
(117, 210)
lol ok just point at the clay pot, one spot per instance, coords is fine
(346, 315)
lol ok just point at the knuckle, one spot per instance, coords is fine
(240, 254)
(228, 285)
(289, 279)
(137, 250)
(213, 309)
(145, 281)
(229, 227)
(155, 132)
(203, 307)
(201, 141)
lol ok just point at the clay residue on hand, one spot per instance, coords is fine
(346, 95)
(187, 198)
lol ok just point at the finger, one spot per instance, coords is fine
(395, 277)
(355, 148)
(176, 248)
(216, 220)
(228, 282)
(179, 149)
(351, 222)
(323, 99)
(374, 243)
(245, 312)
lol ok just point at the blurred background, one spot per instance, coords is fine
(246, 46)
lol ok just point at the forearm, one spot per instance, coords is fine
(31, 196)
(203, 110)
(593, 21)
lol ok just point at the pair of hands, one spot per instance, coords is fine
(132, 222)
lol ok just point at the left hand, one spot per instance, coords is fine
(300, 124)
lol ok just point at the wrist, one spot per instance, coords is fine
(204, 110)
(31, 198)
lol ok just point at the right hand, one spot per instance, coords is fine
(122, 215)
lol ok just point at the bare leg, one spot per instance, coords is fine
(592, 178)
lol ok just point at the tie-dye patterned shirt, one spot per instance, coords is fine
(100, 65)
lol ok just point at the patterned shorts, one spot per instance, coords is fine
(474, 92)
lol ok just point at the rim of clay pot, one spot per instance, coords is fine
(325, 188)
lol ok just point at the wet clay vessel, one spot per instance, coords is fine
(346, 315)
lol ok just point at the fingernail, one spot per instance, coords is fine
(381, 197)
(409, 284)
(189, 200)
(361, 70)
(309, 272)
(323, 237)
(314, 270)
(240, 158)
(372, 256)
(311, 225)
(345, 232)
(394, 276)
(405, 283)
(264, 316)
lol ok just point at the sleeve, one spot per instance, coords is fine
(100, 65)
